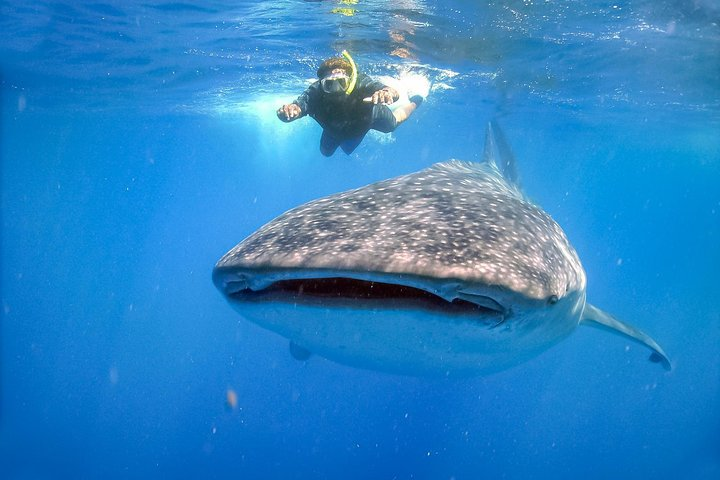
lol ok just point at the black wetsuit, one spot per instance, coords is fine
(346, 119)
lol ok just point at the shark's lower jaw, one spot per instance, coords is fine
(389, 327)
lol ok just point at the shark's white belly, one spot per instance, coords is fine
(409, 340)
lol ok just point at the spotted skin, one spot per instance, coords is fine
(454, 220)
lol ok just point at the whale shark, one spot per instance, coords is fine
(448, 271)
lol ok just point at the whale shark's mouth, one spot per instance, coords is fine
(341, 291)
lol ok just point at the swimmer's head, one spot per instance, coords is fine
(335, 63)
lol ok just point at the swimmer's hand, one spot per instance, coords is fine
(386, 96)
(289, 112)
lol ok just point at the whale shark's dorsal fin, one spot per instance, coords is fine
(498, 153)
(595, 317)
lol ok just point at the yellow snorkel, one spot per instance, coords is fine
(353, 77)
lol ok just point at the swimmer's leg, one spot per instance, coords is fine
(351, 144)
(383, 119)
(328, 144)
(417, 89)
(403, 113)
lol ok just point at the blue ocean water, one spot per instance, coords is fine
(139, 143)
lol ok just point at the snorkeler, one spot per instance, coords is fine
(347, 104)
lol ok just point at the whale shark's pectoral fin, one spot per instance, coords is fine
(298, 352)
(595, 317)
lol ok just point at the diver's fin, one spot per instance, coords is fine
(498, 153)
(595, 317)
(298, 352)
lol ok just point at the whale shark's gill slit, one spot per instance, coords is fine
(354, 291)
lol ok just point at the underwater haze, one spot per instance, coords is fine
(139, 143)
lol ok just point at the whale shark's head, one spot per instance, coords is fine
(449, 270)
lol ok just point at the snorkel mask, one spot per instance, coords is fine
(339, 82)
(335, 83)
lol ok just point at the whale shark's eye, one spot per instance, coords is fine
(552, 299)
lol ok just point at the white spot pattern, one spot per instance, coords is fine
(454, 220)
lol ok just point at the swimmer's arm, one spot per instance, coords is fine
(374, 91)
(383, 96)
(300, 107)
(290, 112)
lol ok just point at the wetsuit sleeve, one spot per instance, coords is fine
(306, 100)
(367, 86)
